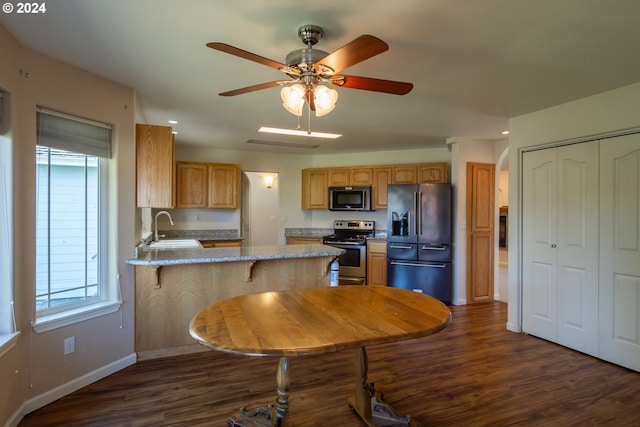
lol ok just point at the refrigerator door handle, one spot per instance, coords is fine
(434, 248)
(415, 213)
(411, 264)
(392, 246)
(419, 213)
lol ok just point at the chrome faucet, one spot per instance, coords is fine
(155, 235)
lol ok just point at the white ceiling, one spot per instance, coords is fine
(473, 63)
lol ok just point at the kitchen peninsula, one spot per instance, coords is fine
(172, 285)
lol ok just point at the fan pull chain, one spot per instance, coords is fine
(308, 118)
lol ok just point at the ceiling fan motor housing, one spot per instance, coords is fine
(310, 34)
(301, 57)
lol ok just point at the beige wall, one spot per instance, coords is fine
(35, 371)
(592, 116)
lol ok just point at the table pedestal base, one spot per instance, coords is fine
(368, 402)
(272, 415)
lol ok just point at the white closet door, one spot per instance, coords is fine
(539, 228)
(577, 246)
(620, 251)
(560, 245)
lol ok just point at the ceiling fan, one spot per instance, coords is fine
(309, 68)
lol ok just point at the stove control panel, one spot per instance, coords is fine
(353, 225)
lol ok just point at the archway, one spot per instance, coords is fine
(501, 287)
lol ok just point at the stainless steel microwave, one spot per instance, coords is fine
(349, 198)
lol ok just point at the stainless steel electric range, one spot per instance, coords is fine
(351, 236)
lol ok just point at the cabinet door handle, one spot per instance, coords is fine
(553, 245)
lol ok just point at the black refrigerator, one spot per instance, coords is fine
(419, 238)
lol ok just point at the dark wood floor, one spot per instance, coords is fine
(474, 373)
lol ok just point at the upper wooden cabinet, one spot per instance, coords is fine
(224, 186)
(433, 173)
(381, 179)
(191, 185)
(344, 177)
(155, 177)
(338, 177)
(315, 193)
(404, 174)
(207, 185)
(361, 176)
(315, 182)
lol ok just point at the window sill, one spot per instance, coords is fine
(66, 318)
(7, 342)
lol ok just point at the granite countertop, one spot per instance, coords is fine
(163, 257)
(211, 235)
(308, 232)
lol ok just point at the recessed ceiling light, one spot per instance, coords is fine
(299, 133)
(505, 132)
(173, 122)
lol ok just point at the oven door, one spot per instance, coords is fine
(353, 263)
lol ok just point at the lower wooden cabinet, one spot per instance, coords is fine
(304, 240)
(377, 262)
(220, 243)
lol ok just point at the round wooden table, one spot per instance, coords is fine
(315, 321)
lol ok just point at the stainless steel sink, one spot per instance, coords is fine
(175, 244)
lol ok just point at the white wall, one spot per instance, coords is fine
(595, 115)
(261, 211)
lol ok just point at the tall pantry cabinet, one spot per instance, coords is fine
(581, 247)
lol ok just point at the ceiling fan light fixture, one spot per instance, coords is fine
(293, 98)
(325, 100)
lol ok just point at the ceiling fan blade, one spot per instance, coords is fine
(368, 83)
(253, 88)
(223, 47)
(364, 47)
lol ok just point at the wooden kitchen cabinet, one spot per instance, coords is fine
(381, 180)
(224, 186)
(339, 177)
(405, 174)
(221, 243)
(361, 176)
(304, 240)
(155, 171)
(315, 189)
(316, 181)
(433, 173)
(377, 262)
(191, 185)
(207, 185)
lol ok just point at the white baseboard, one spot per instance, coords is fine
(513, 327)
(76, 384)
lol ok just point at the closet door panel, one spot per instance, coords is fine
(619, 305)
(577, 246)
(539, 207)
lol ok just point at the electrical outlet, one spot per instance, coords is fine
(69, 345)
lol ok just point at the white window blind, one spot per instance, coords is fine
(57, 130)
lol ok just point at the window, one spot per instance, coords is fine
(72, 158)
